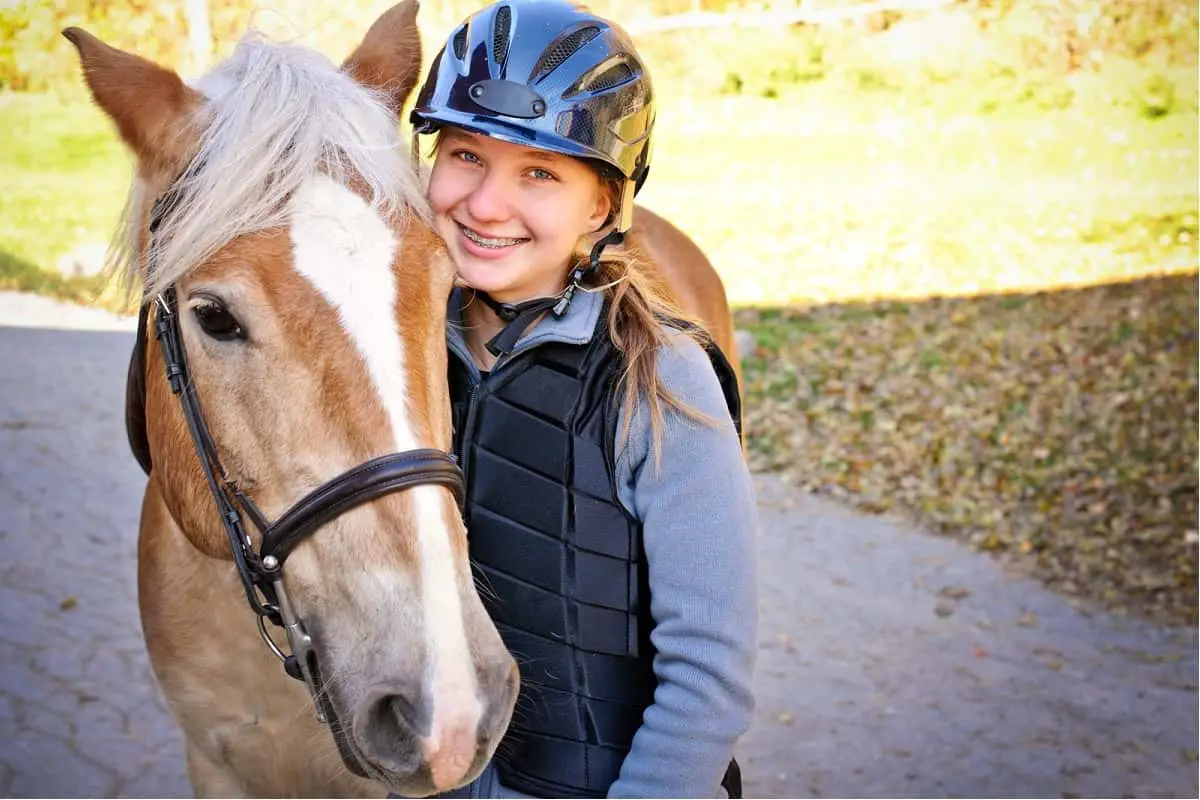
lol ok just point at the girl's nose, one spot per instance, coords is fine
(490, 200)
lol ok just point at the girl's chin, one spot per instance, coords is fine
(501, 290)
(508, 281)
(486, 278)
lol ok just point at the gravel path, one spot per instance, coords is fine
(892, 663)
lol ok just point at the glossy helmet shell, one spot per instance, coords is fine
(549, 75)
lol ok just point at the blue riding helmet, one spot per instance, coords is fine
(549, 75)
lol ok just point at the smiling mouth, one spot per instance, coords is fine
(485, 241)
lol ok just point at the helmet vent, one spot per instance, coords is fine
(500, 33)
(613, 76)
(562, 50)
(460, 43)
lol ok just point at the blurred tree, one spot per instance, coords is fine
(1078, 34)
(199, 32)
(186, 34)
(33, 54)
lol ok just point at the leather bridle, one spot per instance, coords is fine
(261, 571)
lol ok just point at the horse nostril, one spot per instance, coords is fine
(500, 680)
(398, 708)
(389, 726)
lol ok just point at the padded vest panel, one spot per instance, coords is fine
(560, 562)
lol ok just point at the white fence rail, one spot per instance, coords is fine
(763, 19)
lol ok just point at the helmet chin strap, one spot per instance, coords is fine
(519, 316)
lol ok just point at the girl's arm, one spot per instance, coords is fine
(699, 520)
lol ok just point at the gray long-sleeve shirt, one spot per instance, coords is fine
(699, 519)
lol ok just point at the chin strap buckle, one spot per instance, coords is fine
(564, 299)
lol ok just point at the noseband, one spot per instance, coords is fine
(261, 571)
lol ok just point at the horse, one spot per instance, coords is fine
(289, 371)
(684, 273)
(297, 426)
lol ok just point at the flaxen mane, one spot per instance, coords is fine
(275, 115)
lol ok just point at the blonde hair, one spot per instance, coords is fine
(642, 313)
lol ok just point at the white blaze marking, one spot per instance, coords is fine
(345, 250)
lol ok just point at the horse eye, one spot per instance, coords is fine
(217, 322)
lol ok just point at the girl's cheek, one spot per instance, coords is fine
(546, 205)
(440, 193)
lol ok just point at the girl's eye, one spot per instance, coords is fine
(216, 321)
(541, 175)
(466, 155)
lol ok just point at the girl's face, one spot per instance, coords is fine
(512, 215)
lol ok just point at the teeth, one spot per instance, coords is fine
(485, 242)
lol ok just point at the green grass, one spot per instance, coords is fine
(65, 177)
(832, 190)
(807, 199)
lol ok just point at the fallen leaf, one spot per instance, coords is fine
(1054, 429)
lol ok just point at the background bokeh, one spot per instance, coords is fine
(962, 235)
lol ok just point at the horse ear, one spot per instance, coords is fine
(389, 56)
(150, 105)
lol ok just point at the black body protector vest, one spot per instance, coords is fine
(559, 561)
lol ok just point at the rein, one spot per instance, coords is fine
(261, 571)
